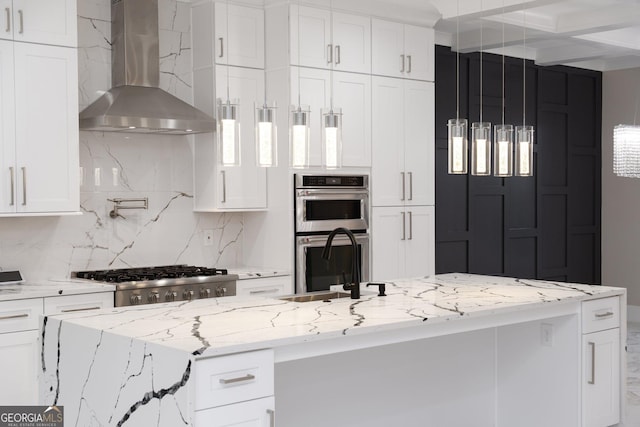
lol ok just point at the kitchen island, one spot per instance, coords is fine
(448, 350)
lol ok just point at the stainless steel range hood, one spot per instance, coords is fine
(135, 103)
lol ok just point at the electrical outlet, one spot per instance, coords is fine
(208, 237)
(546, 334)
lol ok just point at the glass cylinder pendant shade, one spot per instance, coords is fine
(299, 136)
(457, 146)
(503, 150)
(266, 135)
(332, 138)
(481, 148)
(524, 151)
(228, 132)
(626, 151)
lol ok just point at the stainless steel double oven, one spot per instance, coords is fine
(323, 203)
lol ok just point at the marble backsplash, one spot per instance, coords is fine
(118, 165)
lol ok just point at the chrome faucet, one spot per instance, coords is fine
(354, 287)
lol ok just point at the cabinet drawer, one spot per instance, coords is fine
(267, 286)
(74, 303)
(255, 413)
(20, 315)
(600, 314)
(235, 378)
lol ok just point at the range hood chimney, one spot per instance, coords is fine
(135, 103)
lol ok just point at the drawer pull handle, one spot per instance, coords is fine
(7, 12)
(71, 310)
(14, 316)
(221, 52)
(603, 315)
(247, 377)
(21, 15)
(593, 363)
(272, 417)
(264, 291)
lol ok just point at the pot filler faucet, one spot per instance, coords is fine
(354, 287)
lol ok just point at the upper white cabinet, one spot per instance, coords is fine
(322, 39)
(403, 142)
(352, 93)
(40, 141)
(241, 187)
(232, 35)
(39, 21)
(402, 50)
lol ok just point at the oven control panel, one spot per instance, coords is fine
(349, 181)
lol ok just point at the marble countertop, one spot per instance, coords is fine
(51, 288)
(226, 325)
(245, 273)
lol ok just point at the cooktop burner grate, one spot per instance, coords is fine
(121, 275)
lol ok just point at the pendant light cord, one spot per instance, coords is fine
(227, 36)
(524, 66)
(503, 62)
(481, 78)
(457, 60)
(298, 34)
(331, 72)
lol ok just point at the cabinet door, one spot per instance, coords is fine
(46, 92)
(387, 48)
(254, 413)
(18, 370)
(420, 244)
(245, 186)
(352, 92)
(52, 22)
(239, 35)
(601, 378)
(388, 236)
(419, 142)
(7, 130)
(6, 20)
(388, 186)
(310, 37)
(418, 47)
(314, 88)
(352, 43)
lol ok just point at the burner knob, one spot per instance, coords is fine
(135, 299)
(170, 296)
(188, 295)
(153, 297)
(220, 291)
(205, 293)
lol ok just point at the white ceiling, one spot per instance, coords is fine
(595, 34)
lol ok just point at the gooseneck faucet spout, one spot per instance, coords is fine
(354, 287)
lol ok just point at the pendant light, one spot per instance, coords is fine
(626, 147)
(228, 121)
(524, 133)
(266, 128)
(331, 122)
(300, 131)
(503, 133)
(481, 132)
(457, 145)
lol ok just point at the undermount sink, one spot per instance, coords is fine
(317, 296)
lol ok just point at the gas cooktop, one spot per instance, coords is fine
(121, 275)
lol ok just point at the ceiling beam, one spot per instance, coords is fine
(471, 9)
(576, 53)
(596, 20)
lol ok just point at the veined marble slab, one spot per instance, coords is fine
(135, 365)
(245, 273)
(51, 288)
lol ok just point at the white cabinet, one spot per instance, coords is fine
(402, 50)
(18, 352)
(235, 37)
(265, 286)
(403, 242)
(75, 303)
(322, 39)
(40, 143)
(235, 390)
(403, 142)
(601, 373)
(241, 187)
(39, 21)
(352, 93)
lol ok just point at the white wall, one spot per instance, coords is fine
(130, 166)
(620, 196)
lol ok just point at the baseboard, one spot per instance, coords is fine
(633, 313)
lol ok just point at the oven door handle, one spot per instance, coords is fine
(337, 239)
(336, 193)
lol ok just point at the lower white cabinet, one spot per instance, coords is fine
(403, 242)
(254, 413)
(265, 286)
(601, 373)
(18, 370)
(75, 303)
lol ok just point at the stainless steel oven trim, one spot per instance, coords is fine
(303, 242)
(299, 178)
(305, 226)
